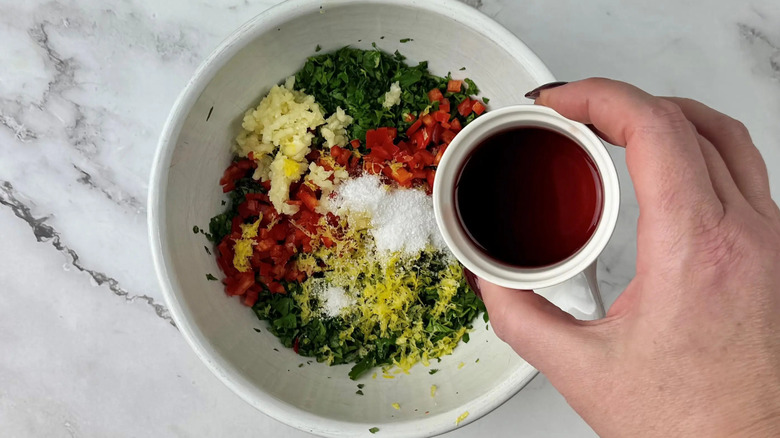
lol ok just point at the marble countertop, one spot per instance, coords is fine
(88, 348)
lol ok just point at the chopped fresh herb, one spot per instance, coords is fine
(485, 317)
(466, 338)
(195, 229)
(210, 277)
(318, 48)
(276, 349)
(476, 361)
(223, 202)
(283, 312)
(472, 87)
(433, 371)
(462, 68)
(300, 365)
(360, 386)
(405, 40)
(486, 100)
(256, 329)
(359, 392)
(382, 37)
(357, 80)
(374, 430)
(208, 251)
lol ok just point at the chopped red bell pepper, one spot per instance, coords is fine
(465, 107)
(441, 116)
(412, 129)
(239, 283)
(454, 86)
(447, 136)
(435, 95)
(478, 107)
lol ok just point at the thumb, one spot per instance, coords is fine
(548, 338)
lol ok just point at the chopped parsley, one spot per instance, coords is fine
(374, 430)
(210, 277)
(433, 371)
(357, 80)
(315, 336)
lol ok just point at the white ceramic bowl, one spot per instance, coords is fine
(194, 150)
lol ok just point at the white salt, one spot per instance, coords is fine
(332, 298)
(401, 219)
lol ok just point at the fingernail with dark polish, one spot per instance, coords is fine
(473, 281)
(534, 94)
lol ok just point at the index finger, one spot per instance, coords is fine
(662, 150)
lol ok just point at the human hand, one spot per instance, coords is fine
(692, 346)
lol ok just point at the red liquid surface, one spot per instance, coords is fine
(529, 197)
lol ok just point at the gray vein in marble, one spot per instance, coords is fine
(46, 233)
(20, 131)
(64, 79)
(86, 131)
(65, 76)
(763, 47)
(122, 199)
(478, 4)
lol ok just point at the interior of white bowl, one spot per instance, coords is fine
(194, 151)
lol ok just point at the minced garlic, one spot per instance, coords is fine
(335, 130)
(279, 133)
(392, 97)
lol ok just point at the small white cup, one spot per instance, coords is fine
(463, 247)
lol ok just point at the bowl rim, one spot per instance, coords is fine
(161, 252)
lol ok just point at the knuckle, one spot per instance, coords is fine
(735, 128)
(661, 116)
(722, 243)
(598, 81)
(667, 112)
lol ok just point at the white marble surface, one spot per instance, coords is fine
(87, 347)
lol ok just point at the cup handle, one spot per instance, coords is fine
(593, 285)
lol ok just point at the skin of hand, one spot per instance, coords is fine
(692, 346)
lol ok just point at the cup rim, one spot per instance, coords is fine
(456, 238)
